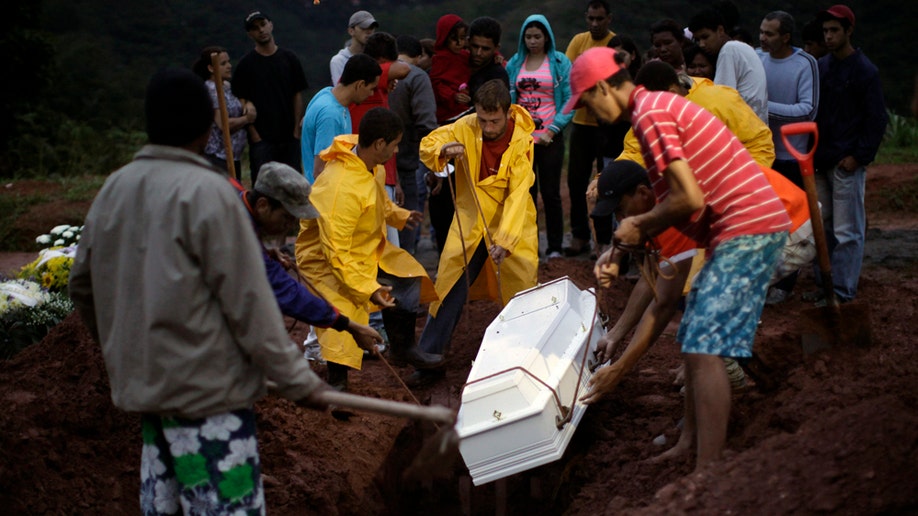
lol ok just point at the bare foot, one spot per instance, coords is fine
(682, 448)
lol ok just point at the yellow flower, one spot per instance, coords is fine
(47, 280)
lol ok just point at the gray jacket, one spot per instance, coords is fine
(413, 100)
(170, 279)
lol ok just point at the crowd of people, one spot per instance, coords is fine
(676, 162)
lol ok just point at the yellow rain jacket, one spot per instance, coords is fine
(342, 251)
(726, 104)
(505, 203)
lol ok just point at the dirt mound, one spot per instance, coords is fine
(832, 432)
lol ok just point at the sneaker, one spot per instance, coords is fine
(735, 373)
(313, 352)
(554, 254)
(813, 296)
(776, 295)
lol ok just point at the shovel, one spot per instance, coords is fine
(438, 453)
(834, 324)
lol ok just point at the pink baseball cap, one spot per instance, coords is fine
(840, 11)
(594, 65)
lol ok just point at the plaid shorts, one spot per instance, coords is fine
(723, 308)
(201, 466)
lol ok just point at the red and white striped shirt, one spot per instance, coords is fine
(738, 198)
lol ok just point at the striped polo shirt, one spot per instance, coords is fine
(738, 198)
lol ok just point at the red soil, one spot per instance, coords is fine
(830, 432)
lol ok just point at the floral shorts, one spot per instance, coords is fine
(201, 466)
(725, 303)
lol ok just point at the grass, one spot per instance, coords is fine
(81, 188)
(11, 208)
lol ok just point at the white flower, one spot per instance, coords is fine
(67, 234)
(204, 501)
(43, 240)
(22, 292)
(241, 450)
(78, 238)
(150, 465)
(60, 229)
(219, 427)
(60, 242)
(182, 440)
(167, 494)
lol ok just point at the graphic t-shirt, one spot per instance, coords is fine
(536, 93)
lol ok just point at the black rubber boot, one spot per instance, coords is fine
(403, 343)
(336, 376)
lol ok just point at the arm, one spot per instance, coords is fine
(873, 126)
(397, 71)
(432, 144)
(298, 111)
(685, 198)
(221, 238)
(563, 88)
(807, 88)
(318, 165)
(516, 213)
(656, 316)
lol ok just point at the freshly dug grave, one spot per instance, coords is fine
(833, 432)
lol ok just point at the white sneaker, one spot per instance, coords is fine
(312, 349)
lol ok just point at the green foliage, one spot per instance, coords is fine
(11, 208)
(48, 143)
(900, 143)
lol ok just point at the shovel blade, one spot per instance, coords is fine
(847, 325)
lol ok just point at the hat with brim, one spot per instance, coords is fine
(838, 12)
(362, 19)
(252, 16)
(615, 181)
(594, 65)
(288, 187)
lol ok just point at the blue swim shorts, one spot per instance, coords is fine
(725, 303)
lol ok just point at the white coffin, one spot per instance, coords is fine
(508, 423)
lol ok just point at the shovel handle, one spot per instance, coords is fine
(437, 413)
(805, 159)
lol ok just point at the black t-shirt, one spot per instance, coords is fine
(271, 82)
(491, 71)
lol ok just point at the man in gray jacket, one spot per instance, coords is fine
(413, 100)
(167, 280)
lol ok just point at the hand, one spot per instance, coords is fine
(399, 195)
(277, 255)
(250, 112)
(607, 267)
(848, 164)
(592, 192)
(391, 86)
(414, 220)
(367, 338)
(313, 400)
(452, 150)
(498, 254)
(434, 183)
(463, 98)
(382, 297)
(546, 139)
(605, 348)
(603, 382)
(628, 232)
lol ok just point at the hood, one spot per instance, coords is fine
(550, 44)
(444, 25)
(342, 148)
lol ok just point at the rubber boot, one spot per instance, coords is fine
(403, 342)
(336, 376)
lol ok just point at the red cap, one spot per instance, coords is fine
(594, 65)
(841, 11)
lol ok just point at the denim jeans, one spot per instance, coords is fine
(407, 238)
(841, 194)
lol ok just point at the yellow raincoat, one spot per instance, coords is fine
(342, 251)
(505, 203)
(726, 104)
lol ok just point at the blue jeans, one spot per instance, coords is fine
(407, 238)
(841, 194)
